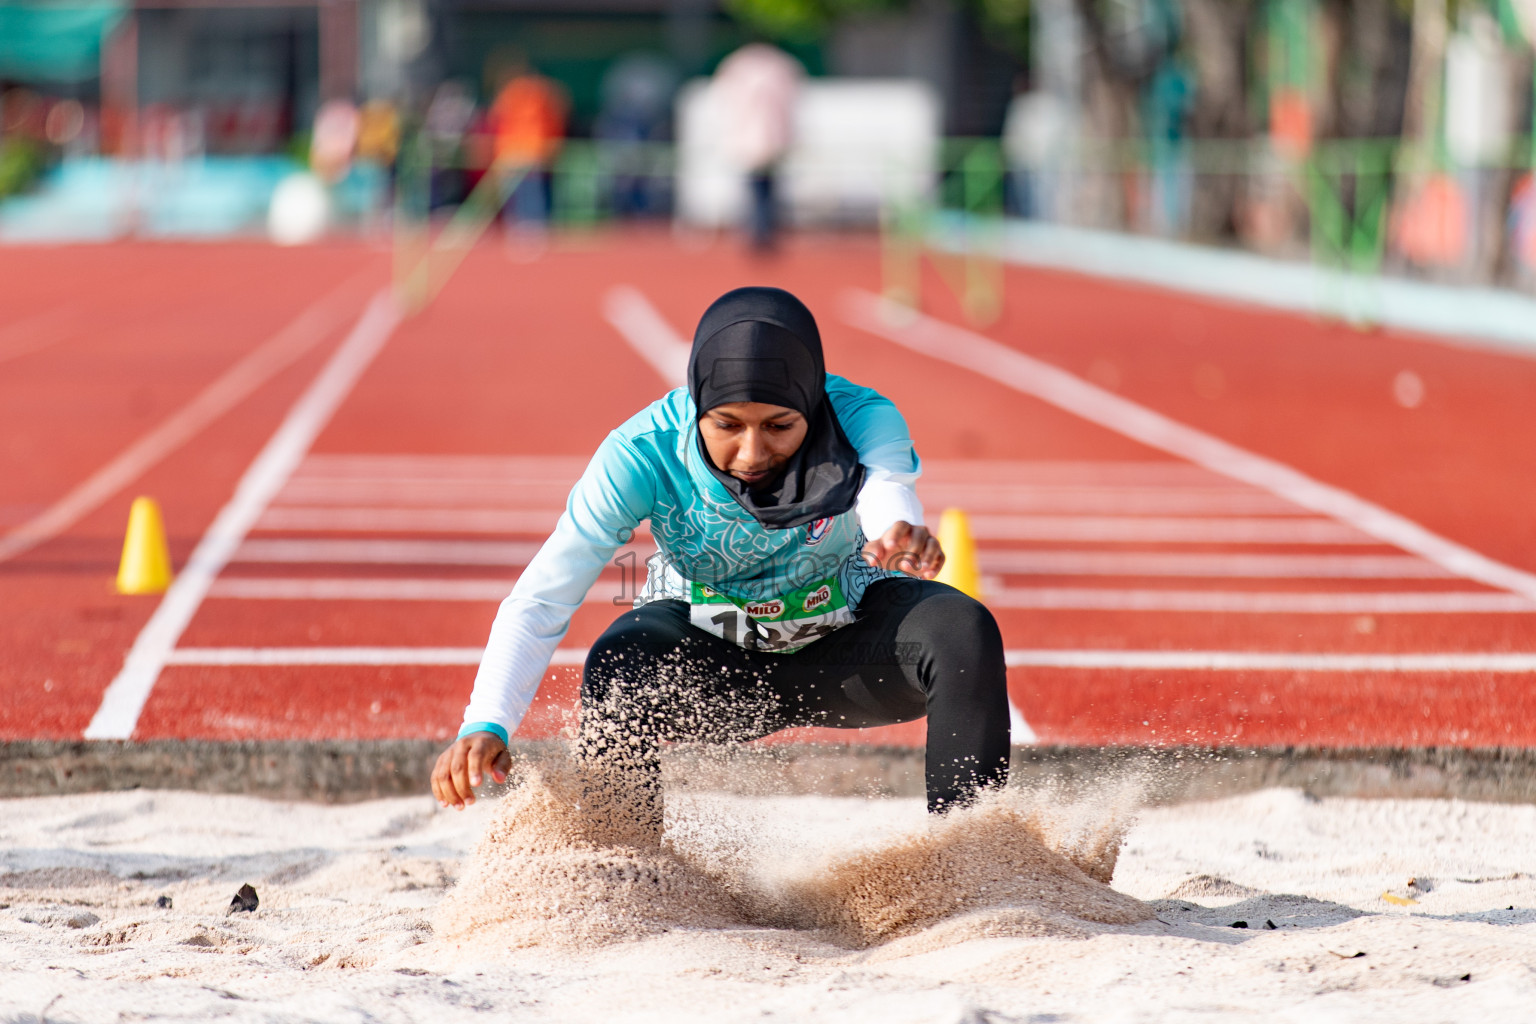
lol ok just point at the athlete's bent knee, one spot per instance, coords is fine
(956, 629)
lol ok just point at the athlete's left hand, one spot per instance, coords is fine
(906, 548)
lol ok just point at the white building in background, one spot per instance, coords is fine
(859, 145)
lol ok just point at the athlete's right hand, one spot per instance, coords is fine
(464, 765)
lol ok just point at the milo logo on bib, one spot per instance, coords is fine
(780, 624)
(822, 595)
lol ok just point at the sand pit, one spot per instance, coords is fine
(803, 908)
(554, 870)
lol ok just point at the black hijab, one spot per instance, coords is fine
(762, 345)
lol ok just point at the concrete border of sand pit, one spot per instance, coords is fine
(351, 770)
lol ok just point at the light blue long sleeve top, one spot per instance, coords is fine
(651, 468)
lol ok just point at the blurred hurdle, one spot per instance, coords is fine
(423, 261)
(582, 186)
(958, 226)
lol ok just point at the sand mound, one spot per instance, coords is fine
(997, 868)
(1211, 887)
(558, 867)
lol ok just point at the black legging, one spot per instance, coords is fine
(915, 648)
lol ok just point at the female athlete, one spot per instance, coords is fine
(766, 605)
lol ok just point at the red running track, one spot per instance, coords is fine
(442, 465)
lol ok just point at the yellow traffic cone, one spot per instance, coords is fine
(960, 569)
(146, 565)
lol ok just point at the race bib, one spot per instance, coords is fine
(779, 625)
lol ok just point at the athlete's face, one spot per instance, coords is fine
(752, 440)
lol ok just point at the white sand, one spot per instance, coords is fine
(348, 894)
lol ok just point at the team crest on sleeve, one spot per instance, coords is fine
(817, 531)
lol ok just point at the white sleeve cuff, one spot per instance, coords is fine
(884, 503)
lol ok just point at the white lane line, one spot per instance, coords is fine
(1051, 384)
(1019, 732)
(391, 589)
(983, 527)
(1203, 661)
(1254, 661)
(276, 354)
(409, 520)
(1123, 501)
(325, 656)
(388, 552)
(403, 493)
(320, 588)
(1166, 530)
(233, 656)
(648, 333)
(125, 697)
(351, 551)
(512, 493)
(385, 589)
(1072, 473)
(1033, 562)
(1242, 601)
(470, 468)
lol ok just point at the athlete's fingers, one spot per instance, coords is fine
(501, 765)
(443, 785)
(893, 557)
(463, 791)
(483, 757)
(899, 536)
(922, 544)
(891, 549)
(473, 761)
(440, 777)
(933, 558)
(882, 545)
(485, 752)
(921, 550)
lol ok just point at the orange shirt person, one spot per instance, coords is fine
(528, 121)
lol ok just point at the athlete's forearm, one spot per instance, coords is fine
(522, 642)
(531, 622)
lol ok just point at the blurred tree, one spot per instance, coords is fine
(803, 20)
(1008, 22)
(22, 161)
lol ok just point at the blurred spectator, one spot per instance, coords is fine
(1522, 223)
(334, 141)
(528, 124)
(757, 86)
(448, 120)
(1166, 105)
(637, 101)
(1036, 136)
(1432, 226)
(378, 141)
(170, 134)
(378, 133)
